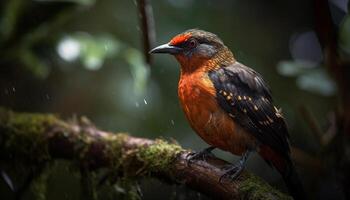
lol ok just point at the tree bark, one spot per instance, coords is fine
(339, 69)
(40, 138)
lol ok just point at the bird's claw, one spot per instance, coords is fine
(202, 155)
(232, 172)
(198, 156)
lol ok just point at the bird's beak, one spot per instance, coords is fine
(166, 48)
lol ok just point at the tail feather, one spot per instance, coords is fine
(292, 180)
(285, 167)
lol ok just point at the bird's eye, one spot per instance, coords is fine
(192, 43)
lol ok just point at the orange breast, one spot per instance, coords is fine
(198, 100)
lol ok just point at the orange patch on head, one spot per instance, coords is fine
(180, 39)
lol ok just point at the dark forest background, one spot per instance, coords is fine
(85, 57)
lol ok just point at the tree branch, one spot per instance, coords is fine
(38, 138)
(147, 27)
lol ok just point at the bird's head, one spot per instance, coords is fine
(196, 48)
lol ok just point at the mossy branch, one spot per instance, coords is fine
(40, 138)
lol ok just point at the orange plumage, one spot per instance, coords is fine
(198, 100)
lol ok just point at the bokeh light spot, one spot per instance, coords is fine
(68, 49)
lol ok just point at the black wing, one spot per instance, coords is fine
(244, 95)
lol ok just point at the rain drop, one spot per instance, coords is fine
(8, 180)
(144, 100)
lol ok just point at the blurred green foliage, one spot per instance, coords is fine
(345, 34)
(308, 77)
(92, 51)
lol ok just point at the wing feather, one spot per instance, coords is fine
(245, 96)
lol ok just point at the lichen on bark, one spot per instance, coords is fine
(252, 187)
(159, 156)
(22, 134)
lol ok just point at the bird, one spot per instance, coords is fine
(230, 106)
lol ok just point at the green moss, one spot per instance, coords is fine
(114, 150)
(24, 135)
(252, 187)
(158, 156)
(33, 124)
(22, 132)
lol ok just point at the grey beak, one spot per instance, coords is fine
(166, 48)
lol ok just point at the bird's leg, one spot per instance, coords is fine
(202, 155)
(235, 170)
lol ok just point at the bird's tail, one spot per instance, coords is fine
(285, 167)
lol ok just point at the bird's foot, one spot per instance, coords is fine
(232, 172)
(202, 155)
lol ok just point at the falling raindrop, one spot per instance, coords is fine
(7, 180)
(144, 100)
(47, 96)
(137, 104)
(172, 122)
(13, 89)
